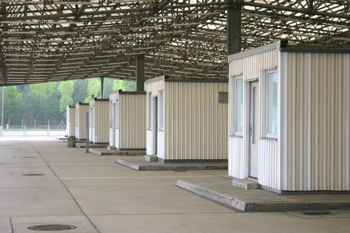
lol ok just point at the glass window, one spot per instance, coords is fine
(271, 103)
(116, 115)
(149, 109)
(161, 110)
(239, 104)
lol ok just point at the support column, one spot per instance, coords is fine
(140, 75)
(102, 87)
(233, 29)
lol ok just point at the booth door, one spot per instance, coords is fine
(254, 125)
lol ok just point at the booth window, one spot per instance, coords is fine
(236, 106)
(149, 110)
(110, 114)
(271, 103)
(116, 115)
(161, 109)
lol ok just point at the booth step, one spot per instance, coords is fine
(246, 183)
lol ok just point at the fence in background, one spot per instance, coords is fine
(33, 130)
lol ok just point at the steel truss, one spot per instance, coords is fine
(54, 40)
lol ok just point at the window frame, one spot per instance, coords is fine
(265, 105)
(233, 106)
(149, 110)
(161, 110)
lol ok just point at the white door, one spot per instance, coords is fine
(254, 125)
(155, 125)
(116, 124)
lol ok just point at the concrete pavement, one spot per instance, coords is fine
(44, 182)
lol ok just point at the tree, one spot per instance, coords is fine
(108, 86)
(12, 110)
(66, 89)
(46, 95)
(94, 87)
(80, 90)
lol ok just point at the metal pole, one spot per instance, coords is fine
(48, 127)
(233, 29)
(2, 111)
(102, 88)
(140, 73)
(87, 132)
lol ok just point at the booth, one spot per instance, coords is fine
(187, 120)
(70, 121)
(80, 120)
(98, 120)
(127, 123)
(289, 117)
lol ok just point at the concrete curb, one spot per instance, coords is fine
(127, 164)
(108, 153)
(259, 207)
(154, 166)
(214, 196)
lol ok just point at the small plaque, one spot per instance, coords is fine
(223, 97)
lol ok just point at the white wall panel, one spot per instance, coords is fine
(160, 145)
(317, 158)
(149, 142)
(117, 138)
(80, 120)
(196, 124)
(268, 165)
(236, 161)
(99, 109)
(132, 121)
(252, 65)
(70, 121)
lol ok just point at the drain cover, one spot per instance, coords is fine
(316, 213)
(52, 227)
(33, 174)
(28, 157)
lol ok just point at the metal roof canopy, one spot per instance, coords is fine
(53, 40)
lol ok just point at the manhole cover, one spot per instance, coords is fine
(52, 227)
(316, 213)
(33, 174)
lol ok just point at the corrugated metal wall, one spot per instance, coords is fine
(268, 163)
(132, 121)
(196, 124)
(237, 162)
(80, 120)
(100, 121)
(70, 121)
(149, 142)
(251, 66)
(315, 121)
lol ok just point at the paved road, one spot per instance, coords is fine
(44, 182)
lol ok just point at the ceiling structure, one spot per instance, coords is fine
(56, 40)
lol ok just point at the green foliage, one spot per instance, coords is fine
(80, 90)
(47, 101)
(66, 89)
(124, 85)
(94, 88)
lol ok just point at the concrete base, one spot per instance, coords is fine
(246, 184)
(106, 151)
(71, 142)
(140, 164)
(151, 158)
(219, 190)
(114, 152)
(91, 145)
